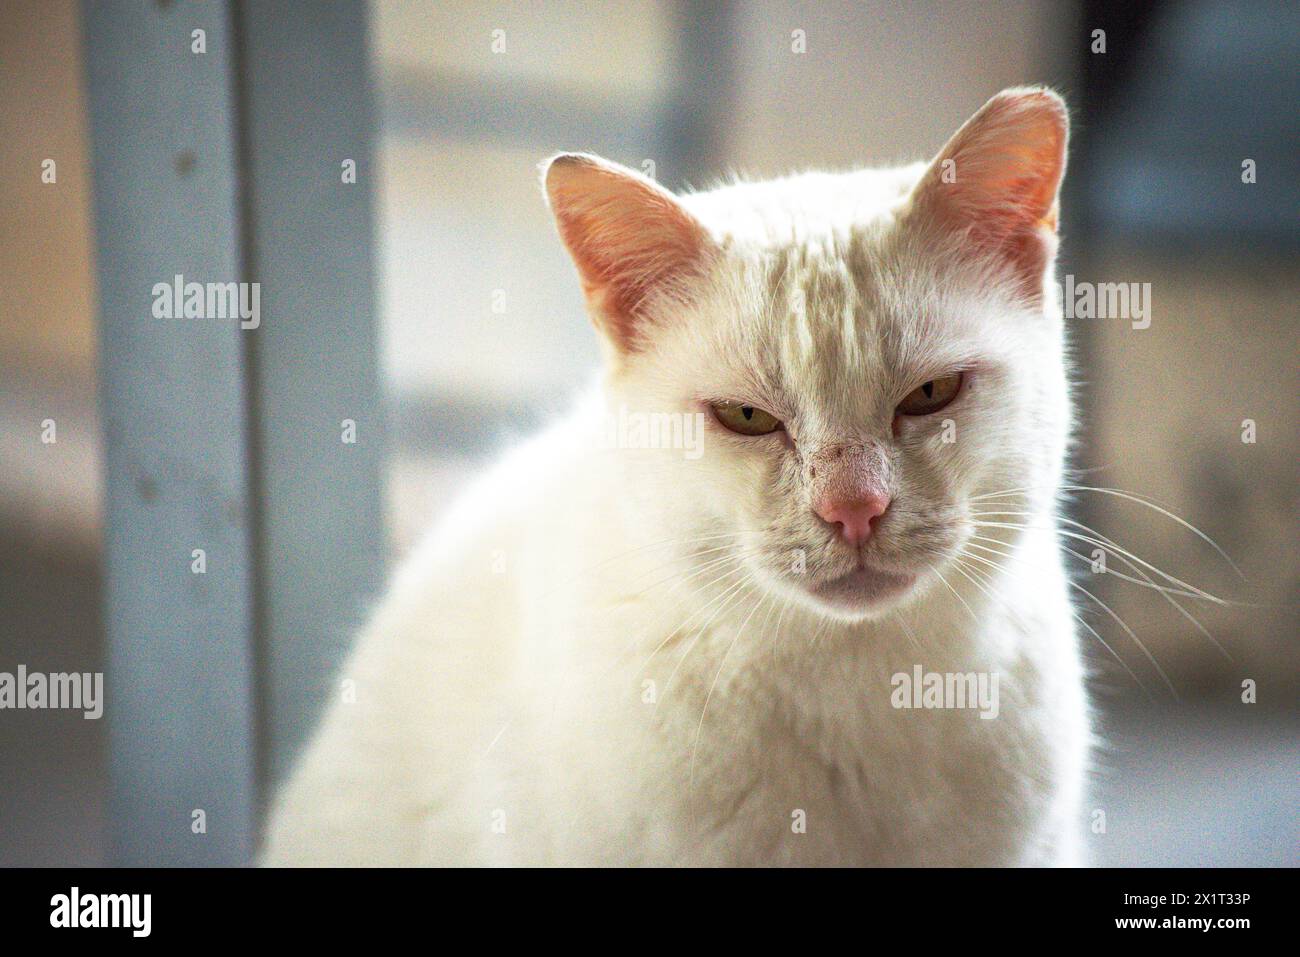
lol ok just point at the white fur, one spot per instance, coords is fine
(502, 714)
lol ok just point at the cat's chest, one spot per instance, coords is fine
(935, 746)
(861, 778)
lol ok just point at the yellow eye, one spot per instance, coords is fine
(746, 419)
(931, 396)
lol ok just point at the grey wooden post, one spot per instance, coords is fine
(219, 157)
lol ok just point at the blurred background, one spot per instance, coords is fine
(480, 333)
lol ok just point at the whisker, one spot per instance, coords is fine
(1086, 560)
(694, 572)
(954, 591)
(1129, 631)
(979, 558)
(730, 562)
(735, 593)
(816, 635)
(1110, 543)
(907, 631)
(695, 747)
(1093, 631)
(1124, 555)
(1119, 551)
(586, 571)
(1150, 503)
(735, 566)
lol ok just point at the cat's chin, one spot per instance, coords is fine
(863, 592)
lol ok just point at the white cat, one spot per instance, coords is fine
(633, 642)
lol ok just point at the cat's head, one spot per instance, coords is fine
(868, 352)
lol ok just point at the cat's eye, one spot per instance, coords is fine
(746, 419)
(931, 396)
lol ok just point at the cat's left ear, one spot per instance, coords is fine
(633, 242)
(996, 183)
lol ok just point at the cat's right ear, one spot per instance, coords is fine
(636, 247)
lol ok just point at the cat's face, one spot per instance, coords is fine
(867, 354)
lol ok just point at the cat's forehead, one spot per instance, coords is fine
(848, 322)
(827, 299)
(817, 255)
(807, 209)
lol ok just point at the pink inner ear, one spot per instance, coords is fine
(629, 238)
(626, 257)
(1008, 162)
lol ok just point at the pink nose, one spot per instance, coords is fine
(856, 517)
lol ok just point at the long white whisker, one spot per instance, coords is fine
(1129, 631)
(954, 591)
(703, 630)
(695, 747)
(733, 569)
(1124, 555)
(1130, 497)
(1093, 631)
(587, 570)
(732, 555)
(1119, 550)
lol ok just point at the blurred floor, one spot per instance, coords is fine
(1196, 786)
